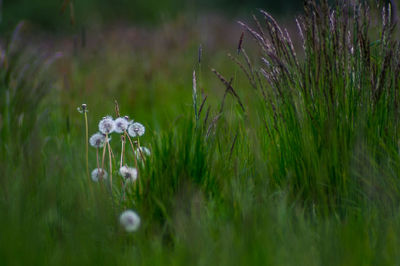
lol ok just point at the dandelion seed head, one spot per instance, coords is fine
(97, 140)
(107, 125)
(128, 173)
(121, 124)
(130, 220)
(83, 108)
(98, 174)
(143, 151)
(136, 130)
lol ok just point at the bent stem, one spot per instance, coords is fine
(134, 154)
(140, 150)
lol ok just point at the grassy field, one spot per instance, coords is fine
(286, 151)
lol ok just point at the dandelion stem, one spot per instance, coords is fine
(112, 153)
(140, 150)
(122, 199)
(104, 152)
(133, 150)
(87, 146)
(97, 157)
(122, 150)
(110, 159)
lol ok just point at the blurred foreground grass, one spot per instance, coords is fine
(231, 198)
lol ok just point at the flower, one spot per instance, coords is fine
(128, 173)
(97, 140)
(130, 220)
(83, 108)
(136, 130)
(143, 152)
(107, 125)
(121, 124)
(98, 174)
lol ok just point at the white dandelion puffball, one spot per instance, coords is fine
(136, 130)
(128, 173)
(98, 140)
(130, 220)
(107, 125)
(143, 152)
(98, 174)
(121, 124)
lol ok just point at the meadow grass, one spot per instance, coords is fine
(298, 166)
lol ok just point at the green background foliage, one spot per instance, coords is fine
(250, 188)
(47, 13)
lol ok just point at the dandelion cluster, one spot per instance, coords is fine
(130, 133)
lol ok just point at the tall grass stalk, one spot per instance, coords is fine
(342, 93)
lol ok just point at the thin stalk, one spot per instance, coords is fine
(194, 96)
(122, 199)
(104, 153)
(139, 149)
(133, 150)
(110, 159)
(97, 157)
(122, 150)
(87, 146)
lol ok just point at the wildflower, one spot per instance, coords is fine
(128, 173)
(130, 220)
(98, 174)
(97, 140)
(136, 130)
(107, 125)
(83, 108)
(143, 152)
(121, 124)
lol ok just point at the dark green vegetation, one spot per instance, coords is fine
(298, 164)
(48, 13)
